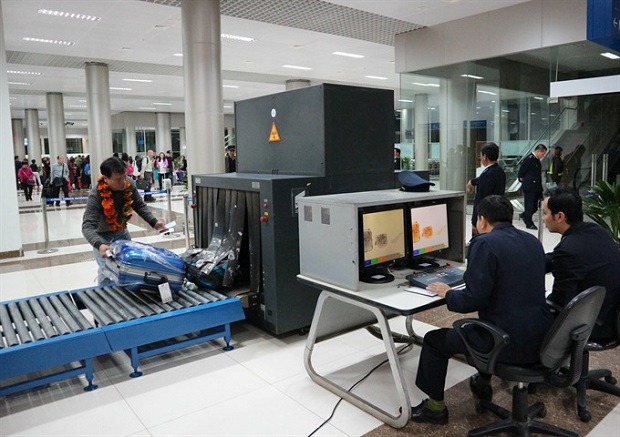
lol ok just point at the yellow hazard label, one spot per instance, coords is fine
(274, 136)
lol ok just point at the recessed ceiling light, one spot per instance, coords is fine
(436, 85)
(471, 76)
(297, 67)
(538, 98)
(146, 108)
(487, 92)
(230, 86)
(48, 41)
(19, 83)
(138, 80)
(31, 73)
(376, 77)
(237, 37)
(348, 55)
(162, 104)
(68, 15)
(405, 101)
(610, 55)
(118, 88)
(178, 54)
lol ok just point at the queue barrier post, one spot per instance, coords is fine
(47, 249)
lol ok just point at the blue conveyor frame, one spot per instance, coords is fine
(139, 337)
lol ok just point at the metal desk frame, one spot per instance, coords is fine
(339, 311)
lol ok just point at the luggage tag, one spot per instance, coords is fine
(169, 228)
(164, 292)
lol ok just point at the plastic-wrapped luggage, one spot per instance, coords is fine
(141, 266)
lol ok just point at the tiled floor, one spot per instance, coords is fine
(258, 389)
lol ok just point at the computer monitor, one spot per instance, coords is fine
(382, 241)
(429, 233)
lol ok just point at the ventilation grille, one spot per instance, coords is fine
(315, 15)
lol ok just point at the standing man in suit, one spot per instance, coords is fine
(530, 176)
(492, 180)
(505, 283)
(585, 256)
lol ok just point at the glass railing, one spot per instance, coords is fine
(512, 162)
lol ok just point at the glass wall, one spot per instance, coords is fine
(446, 118)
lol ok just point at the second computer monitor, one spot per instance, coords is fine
(429, 230)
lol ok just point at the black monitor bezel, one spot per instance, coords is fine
(373, 209)
(415, 261)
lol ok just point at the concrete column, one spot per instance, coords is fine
(131, 147)
(11, 237)
(183, 141)
(446, 151)
(420, 121)
(406, 143)
(163, 136)
(456, 124)
(99, 118)
(293, 84)
(17, 126)
(202, 66)
(33, 135)
(56, 126)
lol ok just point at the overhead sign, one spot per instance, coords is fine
(274, 136)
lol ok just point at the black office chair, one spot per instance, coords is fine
(592, 379)
(561, 357)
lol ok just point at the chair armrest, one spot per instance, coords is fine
(565, 377)
(483, 361)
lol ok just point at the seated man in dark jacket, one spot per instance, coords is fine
(585, 256)
(505, 283)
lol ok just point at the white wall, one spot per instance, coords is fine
(522, 27)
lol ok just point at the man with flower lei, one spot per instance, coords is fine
(110, 204)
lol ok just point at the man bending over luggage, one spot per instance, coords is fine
(110, 204)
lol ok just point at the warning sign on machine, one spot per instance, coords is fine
(274, 136)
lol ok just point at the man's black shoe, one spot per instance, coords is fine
(57, 204)
(522, 216)
(531, 227)
(421, 414)
(482, 392)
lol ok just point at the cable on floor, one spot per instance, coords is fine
(401, 350)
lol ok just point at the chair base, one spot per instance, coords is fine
(519, 421)
(599, 380)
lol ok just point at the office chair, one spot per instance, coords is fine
(561, 358)
(592, 379)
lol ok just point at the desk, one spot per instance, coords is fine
(340, 310)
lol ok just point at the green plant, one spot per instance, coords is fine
(603, 206)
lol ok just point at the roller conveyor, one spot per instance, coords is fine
(44, 333)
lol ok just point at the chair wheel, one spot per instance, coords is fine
(584, 415)
(611, 380)
(542, 413)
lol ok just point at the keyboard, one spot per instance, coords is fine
(446, 274)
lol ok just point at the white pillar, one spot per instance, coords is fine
(183, 141)
(293, 84)
(131, 147)
(421, 131)
(34, 135)
(202, 66)
(99, 118)
(17, 126)
(163, 139)
(11, 237)
(56, 126)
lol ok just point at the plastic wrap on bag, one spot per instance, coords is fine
(143, 266)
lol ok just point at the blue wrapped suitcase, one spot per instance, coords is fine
(144, 267)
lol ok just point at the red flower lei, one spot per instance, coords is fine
(111, 216)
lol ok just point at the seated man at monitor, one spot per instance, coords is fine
(585, 256)
(505, 283)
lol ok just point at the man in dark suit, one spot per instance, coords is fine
(530, 175)
(585, 256)
(492, 180)
(505, 283)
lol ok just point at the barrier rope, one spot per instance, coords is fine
(71, 198)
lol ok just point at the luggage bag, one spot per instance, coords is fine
(143, 267)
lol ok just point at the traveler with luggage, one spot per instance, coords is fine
(110, 204)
